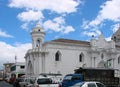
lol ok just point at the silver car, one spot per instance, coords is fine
(26, 82)
(88, 84)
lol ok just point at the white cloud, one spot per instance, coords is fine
(69, 29)
(30, 16)
(24, 26)
(55, 24)
(58, 25)
(59, 20)
(4, 34)
(93, 32)
(96, 22)
(49, 24)
(59, 6)
(85, 24)
(89, 33)
(8, 52)
(34, 8)
(109, 11)
(115, 27)
(108, 38)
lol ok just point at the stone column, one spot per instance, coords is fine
(40, 63)
(43, 63)
(92, 61)
(113, 63)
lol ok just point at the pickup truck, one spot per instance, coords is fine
(44, 82)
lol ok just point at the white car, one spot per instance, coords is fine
(45, 82)
(56, 78)
(88, 84)
(26, 81)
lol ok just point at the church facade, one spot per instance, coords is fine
(63, 56)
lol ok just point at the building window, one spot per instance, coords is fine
(22, 67)
(102, 56)
(81, 57)
(38, 43)
(13, 68)
(115, 38)
(119, 60)
(58, 56)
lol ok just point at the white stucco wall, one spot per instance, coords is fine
(69, 58)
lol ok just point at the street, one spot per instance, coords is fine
(5, 84)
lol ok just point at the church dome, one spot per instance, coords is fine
(38, 28)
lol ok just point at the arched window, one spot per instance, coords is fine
(119, 60)
(102, 56)
(115, 38)
(102, 64)
(58, 56)
(81, 57)
(38, 43)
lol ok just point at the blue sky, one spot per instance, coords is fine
(71, 19)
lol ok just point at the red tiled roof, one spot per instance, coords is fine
(71, 41)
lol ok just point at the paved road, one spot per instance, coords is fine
(5, 84)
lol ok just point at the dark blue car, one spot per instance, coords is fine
(71, 79)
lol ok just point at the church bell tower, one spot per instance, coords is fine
(37, 34)
(116, 37)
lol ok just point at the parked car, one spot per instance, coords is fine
(89, 84)
(45, 82)
(56, 78)
(72, 79)
(26, 81)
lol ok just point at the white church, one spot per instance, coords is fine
(63, 56)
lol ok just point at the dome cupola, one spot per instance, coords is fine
(37, 34)
(38, 28)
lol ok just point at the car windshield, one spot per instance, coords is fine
(75, 77)
(100, 85)
(44, 81)
(68, 77)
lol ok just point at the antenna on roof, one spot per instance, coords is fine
(15, 59)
